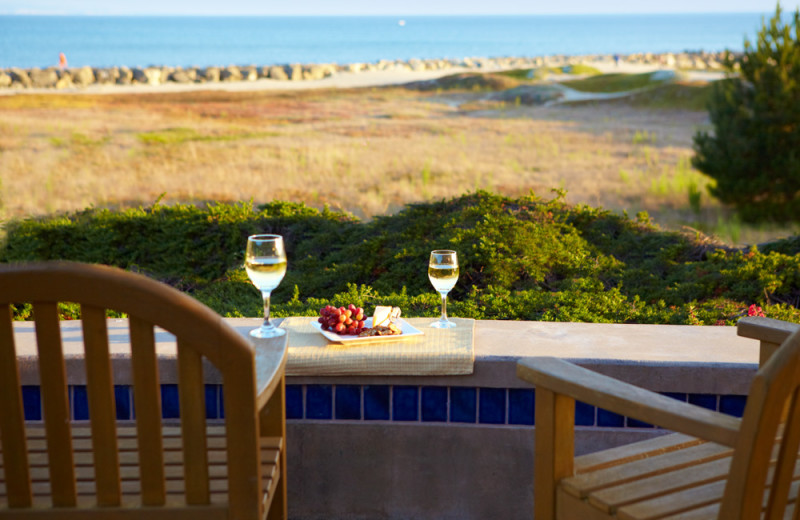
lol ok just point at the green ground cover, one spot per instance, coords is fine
(613, 82)
(521, 258)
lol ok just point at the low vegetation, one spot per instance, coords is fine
(615, 82)
(521, 258)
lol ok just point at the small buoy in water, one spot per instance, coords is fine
(401, 23)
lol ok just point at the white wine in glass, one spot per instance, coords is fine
(443, 274)
(265, 263)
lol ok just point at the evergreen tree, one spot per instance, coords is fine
(754, 153)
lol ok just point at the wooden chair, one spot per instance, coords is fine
(716, 467)
(194, 469)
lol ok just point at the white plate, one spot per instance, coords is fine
(408, 331)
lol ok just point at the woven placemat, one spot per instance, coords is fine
(436, 352)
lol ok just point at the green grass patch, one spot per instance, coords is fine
(469, 81)
(607, 83)
(170, 136)
(582, 69)
(683, 96)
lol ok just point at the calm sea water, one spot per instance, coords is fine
(35, 41)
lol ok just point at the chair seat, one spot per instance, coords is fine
(129, 466)
(668, 477)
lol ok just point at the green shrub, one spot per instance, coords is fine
(521, 258)
(754, 152)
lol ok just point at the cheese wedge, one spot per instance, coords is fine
(384, 315)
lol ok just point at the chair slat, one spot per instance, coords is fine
(55, 403)
(193, 423)
(147, 403)
(785, 466)
(635, 451)
(12, 429)
(609, 499)
(243, 437)
(102, 410)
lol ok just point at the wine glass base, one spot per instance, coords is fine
(267, 332)
(443, 324)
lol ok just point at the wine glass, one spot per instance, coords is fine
(265, 263)
(443, 274)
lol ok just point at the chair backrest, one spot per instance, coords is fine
(200, 333)
(766, 452)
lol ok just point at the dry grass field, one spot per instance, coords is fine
(368, 151)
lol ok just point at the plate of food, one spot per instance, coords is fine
(348, 325)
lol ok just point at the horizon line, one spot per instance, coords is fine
(374, 15)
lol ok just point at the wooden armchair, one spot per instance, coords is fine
(194, 469)
(716, 467)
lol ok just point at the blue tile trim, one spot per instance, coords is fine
(294, 401)
(584, 414)
(732, 404)
(212, 401)
(170, 404)
(704, 400)
(376, 403)
(80, 403)
(492, 405)
(405, 403)
(32, 402)
(675, 395)
(609, 419)
(434, 403)
(513, 406)
(633, 423)
(348, 402)
(319, 402)
(521, 406)
(221, 402)
(463, 404)
(122, 398)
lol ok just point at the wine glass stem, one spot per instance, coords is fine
(265, 295)
(444, 307)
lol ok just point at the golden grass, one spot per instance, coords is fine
(367, 151)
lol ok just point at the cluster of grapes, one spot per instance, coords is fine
(342, 320)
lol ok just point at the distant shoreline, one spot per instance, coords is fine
(115, 80)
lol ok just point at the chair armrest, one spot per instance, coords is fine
(270, 359)
(765, 329)
(610, 394)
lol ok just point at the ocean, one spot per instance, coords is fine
(103, 41)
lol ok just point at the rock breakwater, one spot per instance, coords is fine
(54, 78)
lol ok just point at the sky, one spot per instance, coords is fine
(380, 7)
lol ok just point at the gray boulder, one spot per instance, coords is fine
(125, 76)
(46, 78)
(230, 74)
(249, 73)
(180, 76)
(83, 76)
(138, 76)
(106, 76)
(279, 73)
(148, 76)
(296, 72)
(210, 74)
(64, 81)
(153, 75)
(20, 77)
(316, 72)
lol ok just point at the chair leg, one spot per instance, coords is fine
(273, 424)
(554, 449)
